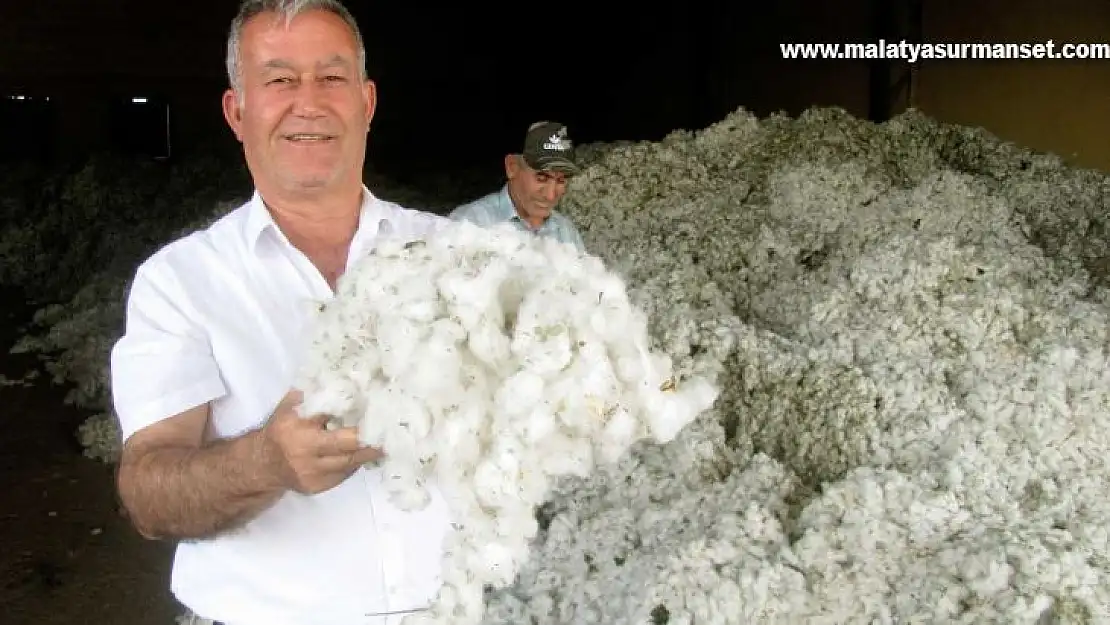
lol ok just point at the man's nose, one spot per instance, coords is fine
(308, 98)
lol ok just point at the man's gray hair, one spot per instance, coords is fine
(286, 10)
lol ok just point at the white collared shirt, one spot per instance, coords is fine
(222, 316)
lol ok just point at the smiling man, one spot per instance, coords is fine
(277, 520)
(537, 180)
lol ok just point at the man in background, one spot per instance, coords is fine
(537, 181)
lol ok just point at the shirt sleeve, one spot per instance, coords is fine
(163, 364)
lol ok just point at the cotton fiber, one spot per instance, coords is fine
(490, 362)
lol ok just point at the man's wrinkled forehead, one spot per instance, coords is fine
(336, 61)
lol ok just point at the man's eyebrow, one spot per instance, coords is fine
(277, 64)
(335, 61)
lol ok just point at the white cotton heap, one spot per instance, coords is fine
(490, 362)
(917, 360)
(909, 325)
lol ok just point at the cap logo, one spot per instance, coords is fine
(558, 141)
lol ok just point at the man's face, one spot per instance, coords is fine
(535, 193)
(304, 108)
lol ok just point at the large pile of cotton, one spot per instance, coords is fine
(486, 363)
(908, 327)
(914, 425)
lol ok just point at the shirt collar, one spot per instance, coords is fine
(374, 218)
(505, 208)
(506, 211)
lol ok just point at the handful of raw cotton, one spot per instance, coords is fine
(490, 361)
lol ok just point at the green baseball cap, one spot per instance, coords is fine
(547, 147)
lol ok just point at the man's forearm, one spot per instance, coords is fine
(183, 494)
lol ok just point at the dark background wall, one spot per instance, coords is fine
(609, 73)
(1057, 106)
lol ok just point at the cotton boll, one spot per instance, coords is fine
(437, 361)
(568, 456)
(466, 308)
(461, 432)
(536, 426)
(630, 368)
(468, 290)
(375, 424)
(520, 394)
(532, 486)
(657, 366)
(469, 606)
(573, 409)
(670, 412)
(421, 304)
(483, 366)
(458, 492)
(619, 433)
(541, 340)
(454, 573)
(599, 386)
(601, 323)
(410, 414)
(549, 349)
(446, 604)
(495, 562)
(457, 600)
(403, 466)
(493, 271)
(495, 475)
(389, 248)
(361, 375)
(397, 343)
(612, 314)
(331, 394)
(584, 392)
(492, 485)
(368, 286)
(488, 344)
(403, 452)
(512, 291)
(448, 330)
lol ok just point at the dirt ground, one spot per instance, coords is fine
(68, 555)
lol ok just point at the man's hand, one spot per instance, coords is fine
(306, 456)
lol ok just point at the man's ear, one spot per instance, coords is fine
(371, 95)
(512, 165)
(233, 113)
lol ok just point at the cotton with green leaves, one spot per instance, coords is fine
(490, 362)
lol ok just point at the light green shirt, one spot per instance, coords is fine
(497, 208)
